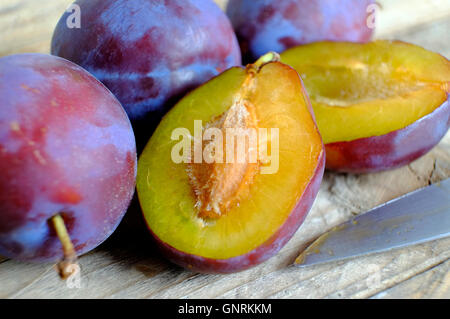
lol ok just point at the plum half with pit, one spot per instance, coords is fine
(67, 159)
(229, 210)
(149, 53)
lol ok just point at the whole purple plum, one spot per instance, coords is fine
(276, 25)
(149, 53)
(67, 149)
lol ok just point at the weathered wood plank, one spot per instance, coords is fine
(395, 16)
(433, 36)
(27, 25)
(433, 283)
(129, 266)
(377, 272)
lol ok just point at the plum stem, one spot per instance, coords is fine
(65, 266)
(263, 60)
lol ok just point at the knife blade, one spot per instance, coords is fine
(415, 218)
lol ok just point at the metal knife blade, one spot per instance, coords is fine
(417, 217)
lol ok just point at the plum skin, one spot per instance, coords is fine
(67, 147)
(263, 252)
(149, 53)
(391, 150)
(268, 25)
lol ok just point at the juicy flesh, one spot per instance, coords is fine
(346, 86)
(265, 201)
(363, 90)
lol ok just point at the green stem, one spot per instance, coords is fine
(263, 60)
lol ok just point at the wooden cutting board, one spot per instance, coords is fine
(128, 265)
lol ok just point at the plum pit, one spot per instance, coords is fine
(220, 185)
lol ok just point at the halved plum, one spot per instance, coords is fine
(226, 216)
(379, 105)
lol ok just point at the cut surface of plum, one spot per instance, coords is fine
(363, 90)
(369, 99)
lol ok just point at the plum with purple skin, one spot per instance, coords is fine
(268, 25)
(67, 149)
(149, 52)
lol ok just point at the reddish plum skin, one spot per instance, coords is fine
(66, 146)
(392, 150)
(277, 25)
(264, 251)
(149, 53)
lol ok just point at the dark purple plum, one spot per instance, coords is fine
(66, 149)
(149, 53)
(276, 25)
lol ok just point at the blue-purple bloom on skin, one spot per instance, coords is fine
(276, 25)
(149, 53)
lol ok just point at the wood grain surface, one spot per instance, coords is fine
(128, 265)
